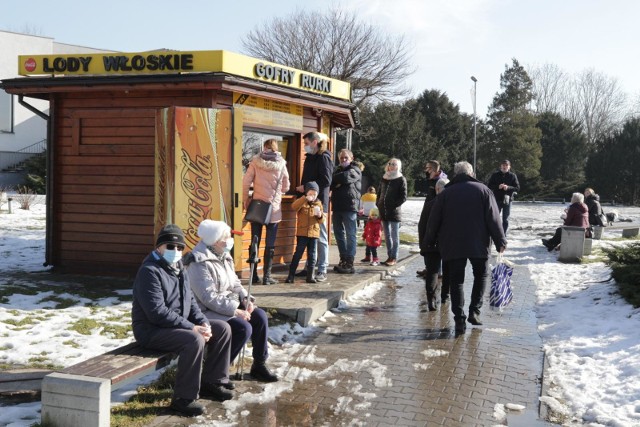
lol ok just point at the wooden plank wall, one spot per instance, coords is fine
(104, 178)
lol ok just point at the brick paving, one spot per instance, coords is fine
(391, 362)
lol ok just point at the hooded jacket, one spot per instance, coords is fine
(595, 210)
(270, 178)
(214, 282)
(308, 224)
(392, 194)
(464, 219)
(162, 299)
(345, 188)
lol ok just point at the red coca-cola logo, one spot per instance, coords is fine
(30, 64)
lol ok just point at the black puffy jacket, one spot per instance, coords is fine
(392, 194)
(345, 188)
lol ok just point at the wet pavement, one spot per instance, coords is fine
(388, 361)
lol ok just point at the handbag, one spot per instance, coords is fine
(259, 212)
(501, 294)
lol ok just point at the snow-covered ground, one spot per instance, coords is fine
(589, 333)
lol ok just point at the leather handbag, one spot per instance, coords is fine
(259, 212)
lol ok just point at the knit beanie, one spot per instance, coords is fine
(211, 231)
(170, 233)
(311, 185)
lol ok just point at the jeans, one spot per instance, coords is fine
(322, 261)
(344, 230)
(506, 211)
(372, 251)
(302, 243)
(272, 232)
(392, 237)
(455, 270)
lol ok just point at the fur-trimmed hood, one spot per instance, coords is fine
(269, 165)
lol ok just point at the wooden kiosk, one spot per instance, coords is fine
(138, 140)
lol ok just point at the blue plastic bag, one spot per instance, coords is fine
(501, 293)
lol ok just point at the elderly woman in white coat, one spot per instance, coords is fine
(220, 295)
(268, 174)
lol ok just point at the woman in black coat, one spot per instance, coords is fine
(392, 194)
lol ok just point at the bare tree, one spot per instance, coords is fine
(601, 104)
(550, 87)
(337, 45)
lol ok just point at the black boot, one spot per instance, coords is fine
(260, 372)
(311, 276)
(340, 265)
(347, 266)
(268, 263)
(256, 278)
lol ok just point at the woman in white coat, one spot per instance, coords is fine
(220, 295)
(268, 175)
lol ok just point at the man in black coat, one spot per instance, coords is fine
(434, 174)
(318, 167)
(462, 222)
(504, 184)
(165, 316)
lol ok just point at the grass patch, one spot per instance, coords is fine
(84, 326)
(71, 343)
(61, 303)
(116, 331)
(142, 408)
(20, 323)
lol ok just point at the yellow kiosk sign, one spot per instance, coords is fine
(172, 62)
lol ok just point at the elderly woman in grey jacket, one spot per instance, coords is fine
(220, 294)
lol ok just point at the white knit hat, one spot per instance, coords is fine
(211, 231)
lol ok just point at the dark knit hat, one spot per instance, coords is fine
(311, 185)
(170, 233)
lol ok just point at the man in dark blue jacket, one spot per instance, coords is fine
(504, 184)
(462, 222)
(165, 316)
(318, 167)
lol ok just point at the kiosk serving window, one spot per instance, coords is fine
(252, 141)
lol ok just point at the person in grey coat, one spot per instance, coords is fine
(166, 317)
(220, 295)
(462, 222)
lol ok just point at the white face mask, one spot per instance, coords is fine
(228, 245)
(172, 255)
(311, 198)
(308, 149)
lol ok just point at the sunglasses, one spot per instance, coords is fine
(171, 247)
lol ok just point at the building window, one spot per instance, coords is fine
(6, 112)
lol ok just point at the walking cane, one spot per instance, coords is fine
(253, 264)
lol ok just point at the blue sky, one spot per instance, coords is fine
(451, 39)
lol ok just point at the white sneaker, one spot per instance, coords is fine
(374, 263)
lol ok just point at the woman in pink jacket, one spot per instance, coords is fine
(268, 175)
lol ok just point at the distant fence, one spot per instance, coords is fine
(11, 160)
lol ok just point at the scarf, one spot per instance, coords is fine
(389, 175)
(270, 156)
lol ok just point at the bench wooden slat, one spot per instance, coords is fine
(122, 363)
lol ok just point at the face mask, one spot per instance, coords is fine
(172, 256)
(310, 198)
(308, 149)
(229, 245)
(345, 164)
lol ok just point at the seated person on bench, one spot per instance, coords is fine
(165, 316)
(577, 216)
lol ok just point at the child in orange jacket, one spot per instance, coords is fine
(310, 216)
(373, 237)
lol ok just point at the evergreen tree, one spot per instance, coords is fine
(612, 169)
(514, 134)
(564, 151)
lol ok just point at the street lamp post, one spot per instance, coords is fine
(475, 81)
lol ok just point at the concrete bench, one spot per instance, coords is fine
(574, 245)
(80, 395)
(630, 230)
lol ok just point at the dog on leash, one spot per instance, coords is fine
(611, 217)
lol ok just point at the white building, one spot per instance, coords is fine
(19, 127)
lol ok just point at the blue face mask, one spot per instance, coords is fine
(172, 256)
(229, 245)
